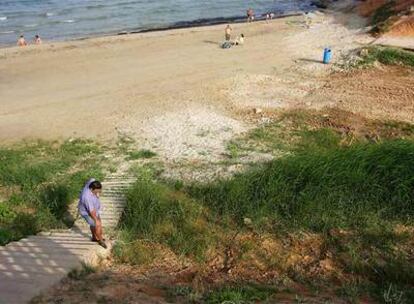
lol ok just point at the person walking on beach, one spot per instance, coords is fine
(227, 32)
(21, 41)
(250, 15)
(89, 208)
(37, 40)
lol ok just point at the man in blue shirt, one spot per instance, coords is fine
(90, 209)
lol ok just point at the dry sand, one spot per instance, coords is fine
(175, 92)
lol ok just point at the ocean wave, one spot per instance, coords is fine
(31, 25)
(49, 14)
(3, 18)
(7, 32)
(68, 21)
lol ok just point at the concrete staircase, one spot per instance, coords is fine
(33, 264)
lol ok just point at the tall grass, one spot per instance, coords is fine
(158, 213)
(39, 181)
(319, 190)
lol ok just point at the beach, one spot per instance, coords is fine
(253, 173)
(90, 88)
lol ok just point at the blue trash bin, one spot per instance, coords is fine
(327, 55)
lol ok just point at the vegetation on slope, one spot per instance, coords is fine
(334, 213)
(388, 56)
(38, 181)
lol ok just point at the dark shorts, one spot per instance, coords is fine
(228, 37)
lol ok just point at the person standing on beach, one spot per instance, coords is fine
(37, 40)
(21, 41)
(89, 208)
(250, 15)
(227, 32)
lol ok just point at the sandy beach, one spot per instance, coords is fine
(164, 89)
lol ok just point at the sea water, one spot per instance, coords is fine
(69, 19)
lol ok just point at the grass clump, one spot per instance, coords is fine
(141, 154)
(239, 294)
(387, 56)
(38, 181)
(161, 214)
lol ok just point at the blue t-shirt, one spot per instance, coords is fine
(88, 201)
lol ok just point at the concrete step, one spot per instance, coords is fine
(34, 255)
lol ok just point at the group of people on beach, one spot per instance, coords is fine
(227, 36)
(251, 15)
(22, 41)
(240, 39)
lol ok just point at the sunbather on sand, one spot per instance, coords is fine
(239, 40)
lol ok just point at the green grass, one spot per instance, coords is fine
(323, 183)
(161, 214)
(141, 154)
(241, 294)
(387, 56)
(39, 180)
(320, 190)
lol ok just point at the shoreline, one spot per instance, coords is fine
(195, 24)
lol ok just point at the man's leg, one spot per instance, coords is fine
(99, 233)
(93, 231)
(98, 230)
